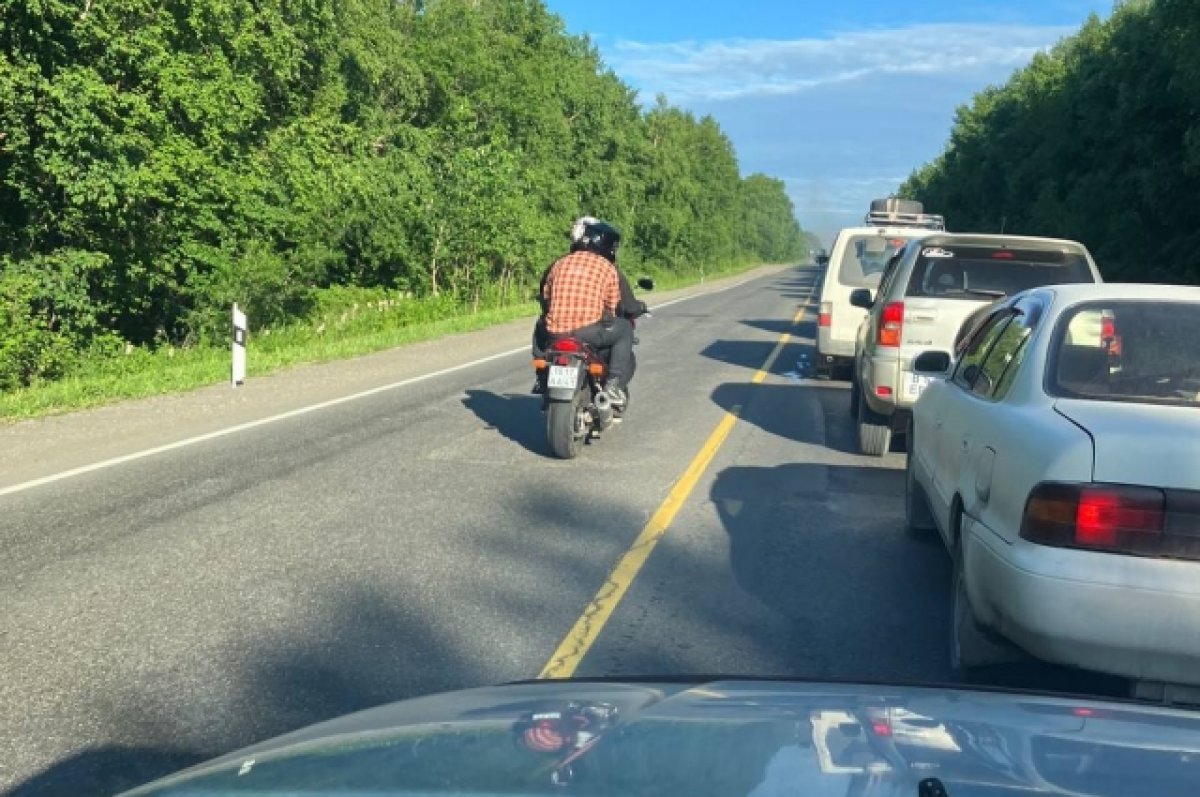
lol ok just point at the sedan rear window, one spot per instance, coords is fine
(865, 257)
(1135, 351)
(988, 273)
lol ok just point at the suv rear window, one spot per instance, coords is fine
(866, 256)
(984, 272)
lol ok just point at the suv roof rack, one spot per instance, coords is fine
(929, 221)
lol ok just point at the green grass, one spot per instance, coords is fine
(342, 328)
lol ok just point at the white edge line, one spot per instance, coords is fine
(283, 416)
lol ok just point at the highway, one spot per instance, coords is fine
(180, 605)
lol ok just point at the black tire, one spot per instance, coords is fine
(562, 427)
(917, 515)
(975, 655)
(874, 430)
(896, 205)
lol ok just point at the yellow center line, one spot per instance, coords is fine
(587, 628)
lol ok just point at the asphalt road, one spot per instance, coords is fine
(176, 607)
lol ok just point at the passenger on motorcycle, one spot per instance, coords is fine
(583, 300)
(631, 306)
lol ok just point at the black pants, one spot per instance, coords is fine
(615, 335)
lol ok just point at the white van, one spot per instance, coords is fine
(858, 259)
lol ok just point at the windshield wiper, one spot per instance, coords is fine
(975, 292)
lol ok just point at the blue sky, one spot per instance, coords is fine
(842, 98)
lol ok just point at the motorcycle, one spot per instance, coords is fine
(572, 375)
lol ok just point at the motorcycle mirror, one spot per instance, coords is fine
(646, 284)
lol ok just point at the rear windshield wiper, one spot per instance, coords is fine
(975, 292)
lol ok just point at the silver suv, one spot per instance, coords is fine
(925, 295)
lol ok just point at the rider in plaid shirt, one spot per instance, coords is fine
(583, 299)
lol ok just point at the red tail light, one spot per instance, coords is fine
(1108, 329)
(891, 326)
(825, 319)
(566, 344)
(1105, 515)
(1100, 517)
(881, 727)
(1003, 255)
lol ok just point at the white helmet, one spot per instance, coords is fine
(580, 226)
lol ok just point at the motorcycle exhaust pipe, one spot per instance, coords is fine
(604, 410)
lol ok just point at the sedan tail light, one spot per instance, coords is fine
(825, 319)
(891, 325)
(1114, 518)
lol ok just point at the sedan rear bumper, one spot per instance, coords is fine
(1133, 617)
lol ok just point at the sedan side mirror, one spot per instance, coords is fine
(646, 284)
(861, 297)
(931, 363)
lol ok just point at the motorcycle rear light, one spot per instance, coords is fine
(566, 344)
(1101, 517)
(539, 365)
(562, 360)
(881, 727)
(596, 369)
(891, 325)
(825, 319)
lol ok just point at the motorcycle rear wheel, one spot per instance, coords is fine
(565, 428)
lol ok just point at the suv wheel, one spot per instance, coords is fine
(874, 430)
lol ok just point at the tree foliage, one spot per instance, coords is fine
(1096, 140)
(160, 159)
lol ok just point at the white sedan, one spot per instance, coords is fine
(1059, 459)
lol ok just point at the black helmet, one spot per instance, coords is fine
(602, 238)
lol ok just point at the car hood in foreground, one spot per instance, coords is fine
(720, 738)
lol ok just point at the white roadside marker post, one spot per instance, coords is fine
(238, 376)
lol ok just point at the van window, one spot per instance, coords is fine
(982, 272)
(865, 256)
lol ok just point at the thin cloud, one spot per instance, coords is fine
(691, 71)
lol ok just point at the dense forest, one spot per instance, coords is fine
(161, 159)
(1097, 140)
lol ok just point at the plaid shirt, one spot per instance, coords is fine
(582, 288)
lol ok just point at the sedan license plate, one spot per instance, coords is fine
(914, 385)
(563, 376)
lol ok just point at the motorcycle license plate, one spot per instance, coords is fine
(563, 376)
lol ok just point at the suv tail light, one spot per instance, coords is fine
(891, 325)
(825, 319)
(1102, 517)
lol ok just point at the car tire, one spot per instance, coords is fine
(874, 430)
(975, 655)
(918, 517)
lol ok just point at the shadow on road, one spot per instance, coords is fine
(746, 353)
(807, 328)
(517, 417)
(104, 771)
(358, 649)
